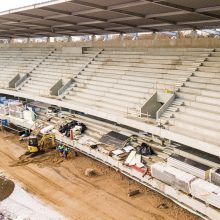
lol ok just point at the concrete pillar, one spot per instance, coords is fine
(105, 37)
(69, 39)
(28, 40)
(48, 39)
(10, 40)
(135, 36)
(154, 36)
(194, 34)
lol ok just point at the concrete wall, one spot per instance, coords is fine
(176, 43)
(151, 107)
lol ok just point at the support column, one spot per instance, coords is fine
(10, 40)
(135, 36)
(154, 35)
(93, 38)
(48, 40)
(121, 36)
(194, 34)
(105, 37)
(28, 40)
(69, 39)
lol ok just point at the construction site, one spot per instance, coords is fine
(110, 110)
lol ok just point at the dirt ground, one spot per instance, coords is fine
(63, 185)
(6, 188)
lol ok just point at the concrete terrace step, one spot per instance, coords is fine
(149, 56)
(209, 69)
(159, 49)
(141, 69)
(200, 106)
(186, 129)
(134, 67)
(208, 85)
(202, 92)
(199, 98)
(93, 88)
(161, 53)
(145, 65)
(107, 99)
(199, 112)
(123, 77)
(139, 76)
(87, 92)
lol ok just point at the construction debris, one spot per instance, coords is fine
(163, 206)
(133, 192)
(90, 172)
(195, 168)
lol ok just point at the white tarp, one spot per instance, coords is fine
(206, 191)
(174, 177)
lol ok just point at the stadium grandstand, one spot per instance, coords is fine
(161, 92)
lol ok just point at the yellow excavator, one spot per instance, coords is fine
(36, 145)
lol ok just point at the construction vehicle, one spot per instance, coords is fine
(35, 145)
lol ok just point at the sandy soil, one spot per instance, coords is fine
(63, 185)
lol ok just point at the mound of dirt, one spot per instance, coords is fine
(6, 188)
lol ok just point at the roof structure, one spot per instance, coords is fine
(96, 17)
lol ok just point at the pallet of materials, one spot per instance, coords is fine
(16, 114)
(206, 191)
(215, 176)
(176, 178)
(16, 106)
(4, 110)
(114, 139)
(189, 166)
(16, 109)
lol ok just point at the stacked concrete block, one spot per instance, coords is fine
(174, 177)
(206, 191)
(215, 176)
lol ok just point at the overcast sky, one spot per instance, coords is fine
(11, 4)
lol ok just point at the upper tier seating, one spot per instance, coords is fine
(15, 61)
(58, 65)
(198, 103)
(122, 79)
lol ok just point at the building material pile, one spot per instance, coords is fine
(134, 159)
(72, 129)
(4, 109)
(114, 139)
(174, 177)
(205, 191)
(16, 109)
(215, 176)
(189, 166)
